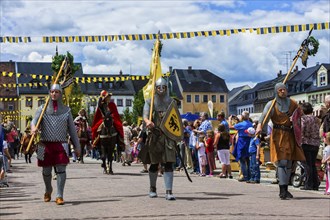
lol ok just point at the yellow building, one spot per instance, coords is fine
(198, 90)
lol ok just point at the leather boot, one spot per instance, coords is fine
(282, 194)
(153, 180)
(288, 194)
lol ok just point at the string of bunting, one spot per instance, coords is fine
(171, 35)
(91, 98)
(77, 79)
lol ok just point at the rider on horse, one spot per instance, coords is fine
(107, 114)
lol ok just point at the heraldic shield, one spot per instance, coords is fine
(171, 124)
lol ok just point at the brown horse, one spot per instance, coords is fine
(107, 142)
(24, 144)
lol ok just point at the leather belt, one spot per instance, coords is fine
(282, 127)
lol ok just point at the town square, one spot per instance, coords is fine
(165, 109)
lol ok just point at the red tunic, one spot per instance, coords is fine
(54, 155)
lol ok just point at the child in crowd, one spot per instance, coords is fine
(201, 154)
(135, 153)
(209, 139)
(326, 161)
(222, 143)
(254, 152)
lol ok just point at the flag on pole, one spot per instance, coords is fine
(155, 71)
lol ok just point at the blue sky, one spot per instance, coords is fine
(239, 59)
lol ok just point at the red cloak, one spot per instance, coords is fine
(98, 119)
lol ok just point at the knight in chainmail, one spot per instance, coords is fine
(52, 151)
(283, 146)
(161, 149)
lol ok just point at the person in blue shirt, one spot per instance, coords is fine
(221, 118)
(205, 125)
(254, 152)
(241, 149)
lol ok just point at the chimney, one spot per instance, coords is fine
(170, 69)
(189, 68)
(120, 73)
(279, 73)
(317, 63)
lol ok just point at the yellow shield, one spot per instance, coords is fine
(172, 124)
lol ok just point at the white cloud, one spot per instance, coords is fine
(239, 59)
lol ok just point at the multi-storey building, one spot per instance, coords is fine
(196, 88)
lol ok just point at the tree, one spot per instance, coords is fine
(75, 98)
(138, 104)
(127, 116)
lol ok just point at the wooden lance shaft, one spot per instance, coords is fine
(45, 106)
(287, 77)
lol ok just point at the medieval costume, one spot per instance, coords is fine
(24, 144)
(283, 145)
(83, 131)
(107, 129)
(52, 150)
(105, 106)
(159, 148)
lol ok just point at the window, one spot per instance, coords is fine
(128, 102)
(119, 102)
(322, 79)
(214, 98)
(99, 85)
(188, 98)
(205, 98)
(196, 98)
(10, 107)
(41, 101)
(111, 85)
(222, 98)
(28, 102)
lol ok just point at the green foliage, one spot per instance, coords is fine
(315, 43)
(57, 62)
(127, 116)
(138, 104)
(75, 99)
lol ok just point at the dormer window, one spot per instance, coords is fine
(323, 79)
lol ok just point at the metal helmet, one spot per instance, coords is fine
(56, 87)
(161, 86)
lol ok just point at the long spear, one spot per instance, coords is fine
(46, 104)
(302, 49)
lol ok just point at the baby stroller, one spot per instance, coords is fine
(299, 176)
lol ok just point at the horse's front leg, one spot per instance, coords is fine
(112, 147)
(103, 158)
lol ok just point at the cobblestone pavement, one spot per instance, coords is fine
(90, 194)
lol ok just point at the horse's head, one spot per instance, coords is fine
(108, 120)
